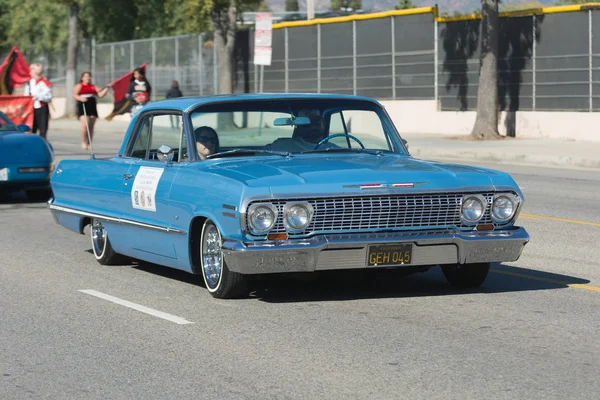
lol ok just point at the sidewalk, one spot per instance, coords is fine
(550, 153)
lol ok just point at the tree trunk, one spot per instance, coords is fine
(225, 29)
(486, 124)
(72, 58)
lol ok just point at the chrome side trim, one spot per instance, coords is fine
(116, 220)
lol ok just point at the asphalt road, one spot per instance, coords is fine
(532, 330)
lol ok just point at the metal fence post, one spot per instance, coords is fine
(354, 89)
(318, 58)
(131, 60)
(590, 60)
(287, 74)
(435, 62)
(533, 66)
(393, 20)
(112, 62)
(93, 51)
(154, 68)
(177, 73)
(215, 69)
(201, 63)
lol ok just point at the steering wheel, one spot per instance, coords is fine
(328, 138)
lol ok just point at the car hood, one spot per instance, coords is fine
(20, 148)
(326, 174)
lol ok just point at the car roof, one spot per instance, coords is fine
(187, 103)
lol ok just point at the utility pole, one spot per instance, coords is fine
(310, 9)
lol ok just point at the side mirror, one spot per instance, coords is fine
(165, 153)
(405, 143)
(23, 128)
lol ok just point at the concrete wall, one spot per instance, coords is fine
(421, 116)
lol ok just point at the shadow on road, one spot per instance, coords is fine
(354, 285)
(20, 200)
(373, 284)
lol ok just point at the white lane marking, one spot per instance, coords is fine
(138, 307)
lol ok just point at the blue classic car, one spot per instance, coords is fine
(25, 160)
(262, 184)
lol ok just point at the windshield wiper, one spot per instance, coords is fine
(345, 150)
(248, 152)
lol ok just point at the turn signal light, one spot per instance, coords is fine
(485, 227)
(277, 236)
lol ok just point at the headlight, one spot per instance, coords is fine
(504, 207)
(473, 208)
(297, 216)
(261, 217)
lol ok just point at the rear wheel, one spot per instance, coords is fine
(220, 281)
(466, 275)
(101, 246)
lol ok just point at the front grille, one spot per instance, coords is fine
(346, 214)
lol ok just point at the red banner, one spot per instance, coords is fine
(18, 108)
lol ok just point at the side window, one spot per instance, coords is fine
(167, 129)
(140, 146)
(335, 124)
(156, 131)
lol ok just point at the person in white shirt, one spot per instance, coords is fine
(41, 90)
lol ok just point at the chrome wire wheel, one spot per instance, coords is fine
(98, 236)
(212, 256)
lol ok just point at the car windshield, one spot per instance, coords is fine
(6, 124)
(288, 127)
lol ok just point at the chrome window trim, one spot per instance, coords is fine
(68, 210)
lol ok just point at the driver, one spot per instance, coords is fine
(313, 133)
(305, 137)
(207, 141)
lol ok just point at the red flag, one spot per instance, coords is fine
(19, 109)
(14, 71)
(122, 105)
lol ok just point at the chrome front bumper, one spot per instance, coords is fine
(349, 251)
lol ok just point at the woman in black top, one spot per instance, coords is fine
(139, 90)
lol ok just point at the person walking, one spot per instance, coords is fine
(174, 92)
(139, 90)
(85, 92)
(41, 91)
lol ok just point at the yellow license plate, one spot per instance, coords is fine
(382, 255)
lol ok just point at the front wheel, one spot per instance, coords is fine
(466, 275)
(220, 281)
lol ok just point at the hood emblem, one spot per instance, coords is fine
(368, 186)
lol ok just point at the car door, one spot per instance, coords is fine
(148, 184)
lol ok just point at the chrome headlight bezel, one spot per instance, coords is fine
(477, 197)
(287, 209)
(252, 209)
(516, 201)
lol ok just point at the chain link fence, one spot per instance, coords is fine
(546, 61)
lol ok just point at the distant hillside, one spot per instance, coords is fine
(449, 6)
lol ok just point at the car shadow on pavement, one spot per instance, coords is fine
(21, 200)
(354, 285)
(373, 284)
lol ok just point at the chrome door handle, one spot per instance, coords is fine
(127, 176)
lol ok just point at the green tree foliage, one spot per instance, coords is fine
(36, 27)
(569, 2)
(518, 6)
(291, 5)
(353, 4)
(405, 4)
